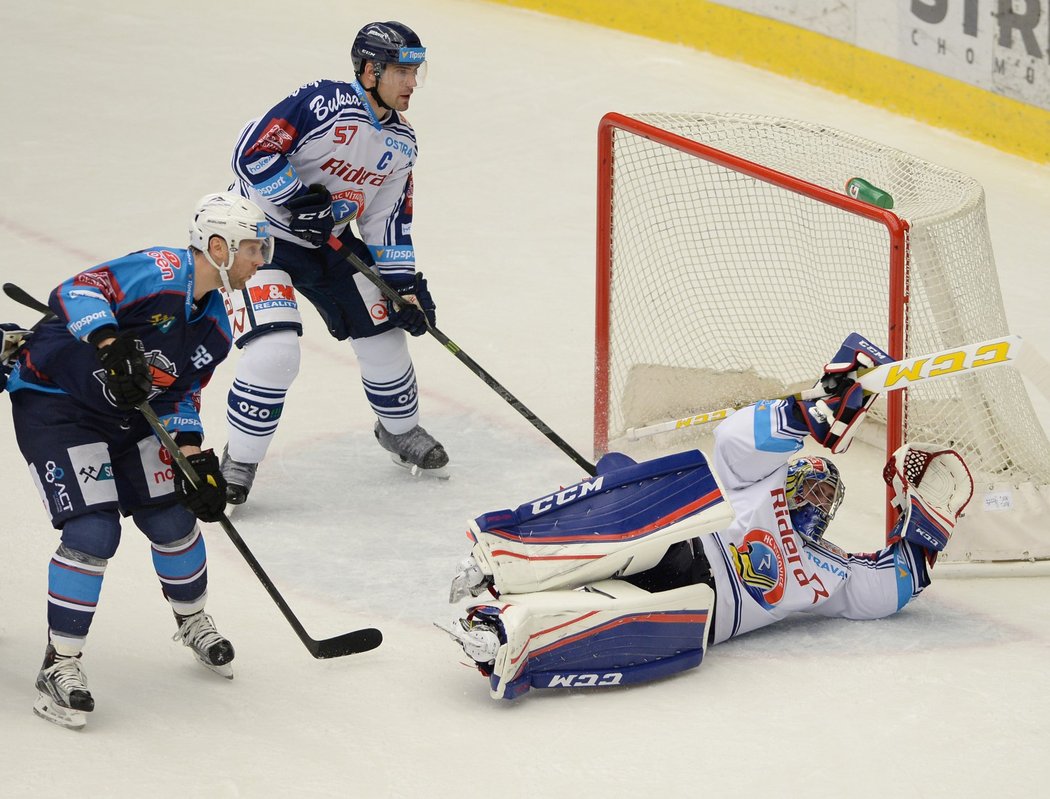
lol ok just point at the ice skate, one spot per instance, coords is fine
(470, 580)
(416, 450)
(478, 635)
(239, 478)
(210, 648)
(64, 697)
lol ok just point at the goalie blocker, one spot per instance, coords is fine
(572, 607)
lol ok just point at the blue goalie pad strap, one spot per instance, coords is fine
(624, 503)
(630, 649)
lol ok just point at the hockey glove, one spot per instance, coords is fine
(127, 375)
(311, 213)
(834, 408)
(931, 487)
(14, 338)
(208, 500)
(418, 311)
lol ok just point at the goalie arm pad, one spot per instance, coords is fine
(834, 408)
(619, 522)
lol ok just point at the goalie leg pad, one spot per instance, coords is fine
(608, 633)
(618, 523)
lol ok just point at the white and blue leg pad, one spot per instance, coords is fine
(617, 523)
(609, 633)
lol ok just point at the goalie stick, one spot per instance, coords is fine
(886, 377)
(466, 360)
(349, 643)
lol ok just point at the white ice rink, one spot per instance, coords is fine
(118, 116)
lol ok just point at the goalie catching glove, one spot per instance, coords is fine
(931, 487)
(834, 408)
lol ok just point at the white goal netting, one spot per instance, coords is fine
(729, 279)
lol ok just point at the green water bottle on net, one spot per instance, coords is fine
(860, 189)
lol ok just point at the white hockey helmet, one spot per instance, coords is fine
(234, 219)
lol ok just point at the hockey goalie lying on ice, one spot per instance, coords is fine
(629, 575)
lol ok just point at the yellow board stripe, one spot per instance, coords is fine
(1004, 123)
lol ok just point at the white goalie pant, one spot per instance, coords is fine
(605, 634)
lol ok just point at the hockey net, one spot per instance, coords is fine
(732, 264)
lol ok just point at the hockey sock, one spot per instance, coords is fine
(267, 367)
(74, 583)
(182, 568)
(389, 379)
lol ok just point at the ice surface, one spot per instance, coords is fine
(119, 116)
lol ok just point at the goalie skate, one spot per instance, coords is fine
(64, 698)
(416, 450)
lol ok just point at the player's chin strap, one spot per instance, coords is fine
(224, 271)
(377, 70)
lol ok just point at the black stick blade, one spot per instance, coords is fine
(347, 644)
(23, 297)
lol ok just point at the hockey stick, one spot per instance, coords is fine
(347, 644)
(22, 297)
(887, 377)
(465, 359)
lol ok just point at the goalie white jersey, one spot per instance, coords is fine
(763, 569)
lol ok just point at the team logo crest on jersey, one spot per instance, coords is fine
(348, 204)
(103, 280)
(760, 566)
(276, 138)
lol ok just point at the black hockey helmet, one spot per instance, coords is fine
(386, 43)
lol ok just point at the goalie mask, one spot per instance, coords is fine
(814, 492)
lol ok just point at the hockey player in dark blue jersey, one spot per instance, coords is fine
(332, 153)
(147, 327)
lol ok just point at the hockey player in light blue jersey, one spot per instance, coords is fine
(629, 575)
(146, 327)
(330, 154)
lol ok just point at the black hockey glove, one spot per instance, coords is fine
(311, 213)
(208, 500)
(418, 310)
(128, 378)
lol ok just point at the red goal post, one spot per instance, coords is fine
(731, 263)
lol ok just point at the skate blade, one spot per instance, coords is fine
(225, 670)
(441, 473)
(49, 710)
